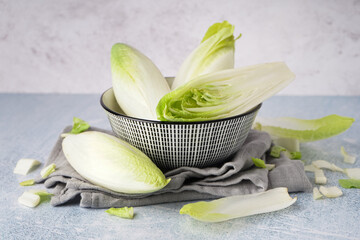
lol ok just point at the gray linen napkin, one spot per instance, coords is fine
(236, 176)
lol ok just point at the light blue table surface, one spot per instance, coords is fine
(29, 127)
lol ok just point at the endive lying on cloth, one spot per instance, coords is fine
(235, 177)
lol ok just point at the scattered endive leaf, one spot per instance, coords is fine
(320, 177)
(304, 130)
(137, 83)
(125, 212)
(310, 168)
(29, 182)
(239, 206)
(112, 163)
(316, 194)
(322, 164)
(331, 192)
(224, 93)
(215, 53)
(44, 195)
(295, 155)
(79, 126)
(29, 199)
(25, 165)
(45, 172)
(353, 173)
(276, 150)
(349, 183)
(347, 158)
(259, 162)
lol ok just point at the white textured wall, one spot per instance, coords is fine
(64, 46)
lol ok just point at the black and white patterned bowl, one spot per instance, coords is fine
(172, 144)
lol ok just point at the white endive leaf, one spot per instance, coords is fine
(137, 83)
(347, 158)
(331, 192)
(322, 164)
(353, 173)
(29, 199)
(112, 163)
(316, 194)
(320, 177)
(215, 53)
(239, 206)
(25, 165)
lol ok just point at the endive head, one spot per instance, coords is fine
(215, 53)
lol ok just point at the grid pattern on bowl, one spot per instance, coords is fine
(175, 145)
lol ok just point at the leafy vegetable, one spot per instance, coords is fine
(215, 53)
(310, 168)
(25, 165)
(224, 93)
(353, 173)
(112, 163)
(44, 195)
(316, 194)
(29, 182)
(347, 158)
(29, 199)
(124, 212)
(276, 150)
(79, 126)
(270, 166)
(137, 83)
(320, 177)
(349, 183)
(295, 155)
(304, 130)
(239, 206)
(331, 192)
(326, 165)
(259, 162)
(45, 172)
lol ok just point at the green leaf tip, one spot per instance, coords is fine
(349, 183)
(29, 182)
(125, 212)
(45, 172)
(79, 126)
(259, 162)
(276, 150)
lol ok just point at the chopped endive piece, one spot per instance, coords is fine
(125, 212)
(215, 53)
(295, 155)
(224, 93)
(310, 168)
(29, 182)
(316, 194)
(322, 164)
(45, 172)
(276, 150)
(291, 144)
(79, 126)
(320, 177)
(239, 206)
(137, 83)
(353, 173)
(347, 158)
(302, 129)
(349, 183)
(331, 192)
(112, 163)
(44, 195)
(25, 165)
(270, 166)
(259, 162)
(29, 199)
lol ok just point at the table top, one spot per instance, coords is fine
(31, 123)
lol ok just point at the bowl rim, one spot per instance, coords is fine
(174, 123)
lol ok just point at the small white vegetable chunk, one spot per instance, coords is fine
(25, 165)
(331, 192)
(29, 199)
(270, 166)
(326, 165)
(316, 194)
(347, 158)
(320, 177)
(353, 173)
(310, 168)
